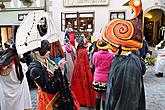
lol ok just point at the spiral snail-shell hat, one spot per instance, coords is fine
(125, 33)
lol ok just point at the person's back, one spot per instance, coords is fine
(82, 78)
(102, 61)
(15, 90)
(125, 84)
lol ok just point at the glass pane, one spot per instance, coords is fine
(86, 15)
(114, 15)
(121, 15)
(71, 15)
(63, 28)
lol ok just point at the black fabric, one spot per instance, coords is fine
(45, 46)
(40, 75)
(98, 101)
(6, 57)
(125, 89)
(99, 86)
(42, 27)
(65, 100)
(144, 50)
(103, 105)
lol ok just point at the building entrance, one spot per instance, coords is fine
(154, 20)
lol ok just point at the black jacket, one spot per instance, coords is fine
(40, 75)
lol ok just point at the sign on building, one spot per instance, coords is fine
(85, 2)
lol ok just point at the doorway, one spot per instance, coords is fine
(153, 21)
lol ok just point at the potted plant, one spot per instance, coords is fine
(27, 2)
(5, 0)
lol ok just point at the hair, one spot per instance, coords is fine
(102, 44)
(80, 46)
(18, 66)
(119, 51)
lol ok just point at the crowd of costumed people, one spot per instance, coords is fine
(104, 68)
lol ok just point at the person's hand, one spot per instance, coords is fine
(61, 63)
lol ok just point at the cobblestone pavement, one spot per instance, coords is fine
(155, 90)
(34, 93)
(154, 87)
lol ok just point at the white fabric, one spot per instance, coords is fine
(70, 63)
(160, 62)
(15, 95)
(28, 33)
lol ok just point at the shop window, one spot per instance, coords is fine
(81, 22)
(7, 34)
(114, 15)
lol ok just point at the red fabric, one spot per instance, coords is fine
(72, 41)
(81, 83)
(56, 49)
(52, 49)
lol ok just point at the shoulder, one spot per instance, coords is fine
(34, 65)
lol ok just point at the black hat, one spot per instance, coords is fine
(45, 47)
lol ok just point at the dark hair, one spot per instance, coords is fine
(80, 46)
(18, 66)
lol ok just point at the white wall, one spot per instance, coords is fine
(102, 13)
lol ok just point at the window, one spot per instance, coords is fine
(114, 15)
(79, 22)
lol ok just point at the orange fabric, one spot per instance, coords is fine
(49, 105)
(44, 99)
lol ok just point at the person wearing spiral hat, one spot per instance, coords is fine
(125, 88)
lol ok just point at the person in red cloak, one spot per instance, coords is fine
(81, 83)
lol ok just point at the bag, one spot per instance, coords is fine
(99, 86)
